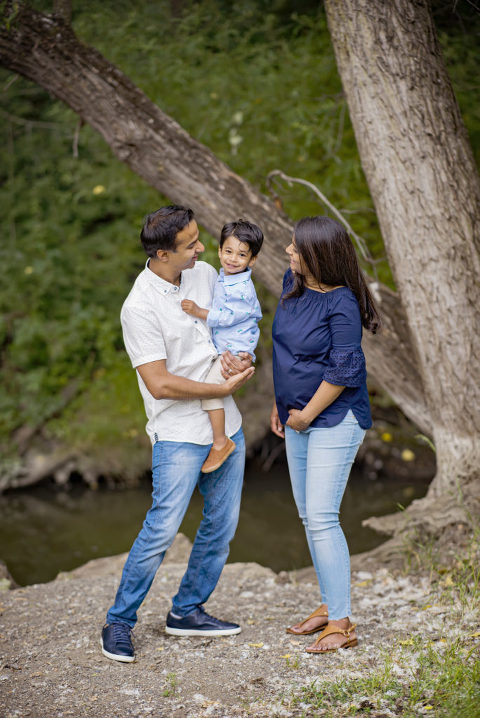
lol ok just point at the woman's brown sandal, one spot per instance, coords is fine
(320, 611)
(330, 630)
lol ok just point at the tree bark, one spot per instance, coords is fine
(424, 183)
(63, 9)
(155, 147)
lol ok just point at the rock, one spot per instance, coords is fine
(178, 552)
(6, 581)
(364, 575)
(304, 575)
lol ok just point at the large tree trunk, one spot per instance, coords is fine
(422, 176)
(44, 49)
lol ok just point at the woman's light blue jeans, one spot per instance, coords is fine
(319, 462)
(176, 469)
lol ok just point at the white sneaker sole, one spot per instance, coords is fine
(199, 632)
(115, 657)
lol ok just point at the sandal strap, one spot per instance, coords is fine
(331, 629)
(320, 611)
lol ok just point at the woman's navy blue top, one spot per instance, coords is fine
(317, 336)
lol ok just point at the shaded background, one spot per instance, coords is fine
(256, 83)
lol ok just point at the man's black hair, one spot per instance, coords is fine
(161, 227)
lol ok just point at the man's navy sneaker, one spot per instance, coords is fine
(117, 643)
(199, 623)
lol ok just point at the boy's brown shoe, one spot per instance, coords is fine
(216, 457)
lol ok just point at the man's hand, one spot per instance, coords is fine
(235, 382)
(190, 307)
(297, 420)
(275, 424)
(232, 365)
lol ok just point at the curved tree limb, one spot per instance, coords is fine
(359, 241)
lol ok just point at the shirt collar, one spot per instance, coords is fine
(160, 284)
(235, 278)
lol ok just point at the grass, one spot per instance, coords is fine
(171, 686)
(438, 679)
(454, 573)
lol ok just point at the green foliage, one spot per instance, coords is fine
(458, 26)
(171, 686)
(413, 680)
(258, 85)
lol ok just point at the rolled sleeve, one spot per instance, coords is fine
(143, 336)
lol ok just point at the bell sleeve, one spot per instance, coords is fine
(346, 359)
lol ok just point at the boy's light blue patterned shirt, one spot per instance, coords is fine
(234, 314)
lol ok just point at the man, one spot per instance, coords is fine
(172, 353)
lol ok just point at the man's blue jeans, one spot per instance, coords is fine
(319, 463)
(176, 469)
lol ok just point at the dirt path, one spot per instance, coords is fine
(51, 663)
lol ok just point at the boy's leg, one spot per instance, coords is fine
(217, 420)
(176, 468)
(222, 491)
(222, 446)
(214, 376)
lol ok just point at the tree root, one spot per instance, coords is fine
(428, 517)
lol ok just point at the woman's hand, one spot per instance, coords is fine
(232, 365)
(297, 420)
(275, 424)
(235, 382)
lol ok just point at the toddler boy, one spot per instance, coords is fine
(233, 318)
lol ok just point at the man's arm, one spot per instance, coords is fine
(163, 385)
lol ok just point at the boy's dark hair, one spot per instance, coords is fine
(245, 232)
(162, 226)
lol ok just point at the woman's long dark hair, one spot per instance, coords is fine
(327, 252)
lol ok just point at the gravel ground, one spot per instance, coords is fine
(52, 665)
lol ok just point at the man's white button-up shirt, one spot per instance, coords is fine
(155, 327)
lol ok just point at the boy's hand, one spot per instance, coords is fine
(232, 365)
(189, 307)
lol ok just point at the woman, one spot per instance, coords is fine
(322, 407)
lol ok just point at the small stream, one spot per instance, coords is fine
(45, 529)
